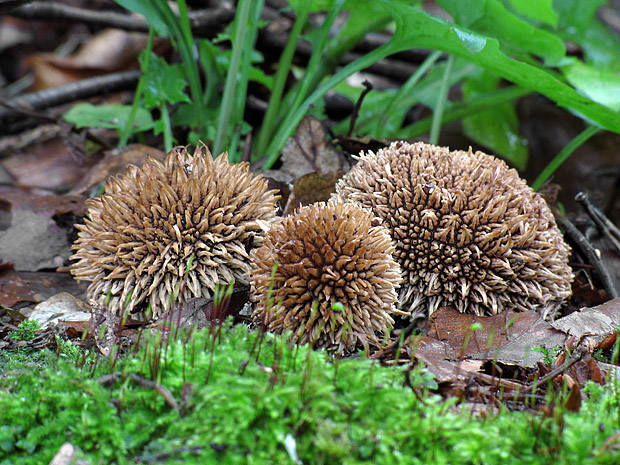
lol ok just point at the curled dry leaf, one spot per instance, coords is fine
(309, 189)
(308, 151)
(116, 162)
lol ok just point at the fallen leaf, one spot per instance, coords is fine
(311, 188)
(41, 230)
(115, 162)
(597, 323)
(48, 165)
(62, 306)
(455, 327)
(308, 151)
(108, 51)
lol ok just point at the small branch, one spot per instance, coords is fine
(210, 20)
(25, 104)
(147, 383)
(607, 227)
(577, 355)
(367, 88)
(590, 253)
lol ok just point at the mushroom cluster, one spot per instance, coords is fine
(168, 232)
(326, 254)
(468, 231)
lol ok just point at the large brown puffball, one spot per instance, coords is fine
(168, 232)
(468, 231)
(326, 254)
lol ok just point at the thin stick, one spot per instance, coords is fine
(212, 19)
(367, 88)
(67, 93)
(591, 255)
(147, 383)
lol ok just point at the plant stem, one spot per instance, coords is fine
(126, 132)
(441, 102)
(284, 67)
(406, 89)
(228, 100)
(566, 152)
(291, 122)
(167, 127)
(185, 45)
(459, 111)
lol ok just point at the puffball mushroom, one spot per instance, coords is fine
(468, 231)
(171, 231)
(324, 254)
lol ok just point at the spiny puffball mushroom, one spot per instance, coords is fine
(468, 231)
(172, 231)
(325, 254)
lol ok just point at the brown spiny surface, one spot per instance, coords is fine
(172, 231)
(468, 231)
(326, 254)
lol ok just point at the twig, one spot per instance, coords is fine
(577, 355)
(6, 5)
(147, 383)
(590, 253)
(25, 104)
(607, 227)
(367, 88)
(211, 20)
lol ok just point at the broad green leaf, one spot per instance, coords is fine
(112, 116)
(578, 23)
(600, 84)
(148, 9)
(363, 16)
(577, 14)
(417, 29)
(539, 10)
(496, 128)
(254, 73)
(491, 18)
(163, 83)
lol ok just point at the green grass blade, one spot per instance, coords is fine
(566, 152)
(284, 67)
(228, 100)
(441, 103)
(126, 132)
(407, 89)
(298, 113)
(465, 109)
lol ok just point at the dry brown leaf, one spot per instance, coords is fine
(116, 162)
(108, 51)
(449, 325)
(48, 165)
(308, 151)
(596, 323)
(311, 188)
(40, 231)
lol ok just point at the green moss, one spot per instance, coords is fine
(347, 412)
